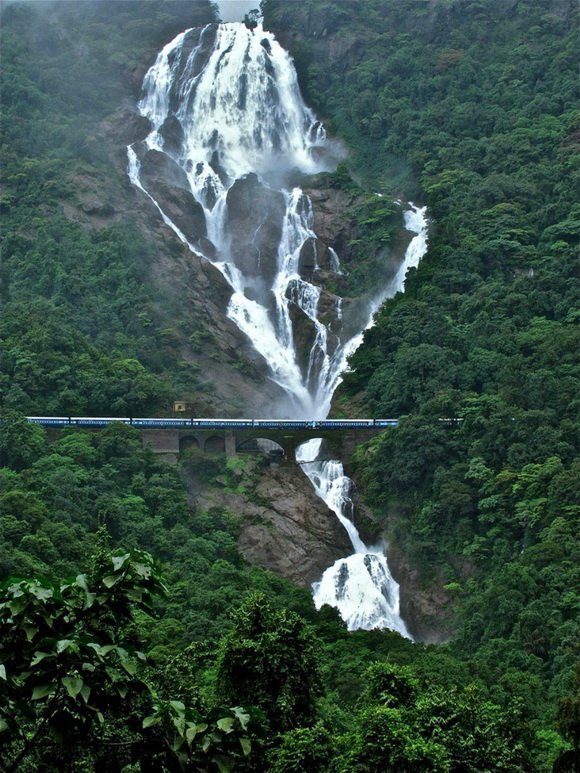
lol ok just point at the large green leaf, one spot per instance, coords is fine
(143, 570)
(73, 684)
(119, 561)
(130, 666)
(39, 657)
(194, 730)
(41, 691)
(226, 724)
(242, 716)
(65, 644)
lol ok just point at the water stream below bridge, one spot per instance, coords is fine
(229, 130)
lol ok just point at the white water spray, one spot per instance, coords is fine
(360, 586)
(224, 103)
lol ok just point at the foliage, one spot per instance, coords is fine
(269, 659)
(69, 663)
(305, 750)
(467, 106)
(81, 331)
(407, 726)
(54, 495)
(63, 665)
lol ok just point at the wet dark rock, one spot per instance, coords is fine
(304, 332)
(202, 40)
(253, 293)
(159, 167)
(167, 183)
(255, 217)
(307, 259)
(207, 248)
(332, 224)
(172, 133)
(126, 126)
(284, 526)
(217, 167)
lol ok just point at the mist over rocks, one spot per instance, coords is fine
(225, 108)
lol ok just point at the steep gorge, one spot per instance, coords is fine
(314, 313)
(229, 136)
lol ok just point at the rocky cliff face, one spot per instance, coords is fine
(292, 533)
(425, 604)
(255, 216)
(284, 526)
(190, 295)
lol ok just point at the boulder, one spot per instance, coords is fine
(304, 333)
(163, 179)
(159, 167)
(172, 133)
(284, 526)
(308, 258)
(255, 215)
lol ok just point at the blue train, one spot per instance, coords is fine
(102, 421)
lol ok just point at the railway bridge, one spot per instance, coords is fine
(279, 437)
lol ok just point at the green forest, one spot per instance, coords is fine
(133, 635)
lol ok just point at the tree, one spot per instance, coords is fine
(252, 19)
(304, 750)
(568, 715)
(70, 681)
(269, 660)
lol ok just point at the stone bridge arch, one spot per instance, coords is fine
(215, 444)
(261, 445)
(189, 441)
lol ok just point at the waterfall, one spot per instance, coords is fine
(361, 586)
(229, 136)
(227, 124)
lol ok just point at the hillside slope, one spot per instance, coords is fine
(472, 106)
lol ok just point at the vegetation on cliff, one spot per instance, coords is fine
(77, 692)
(82, 330)
(472, 107)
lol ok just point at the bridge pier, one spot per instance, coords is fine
(350, 440)
(230, 440)
(162, 441)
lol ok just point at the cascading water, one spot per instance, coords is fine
(361, 586)
(229, 130)
(224, 106)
